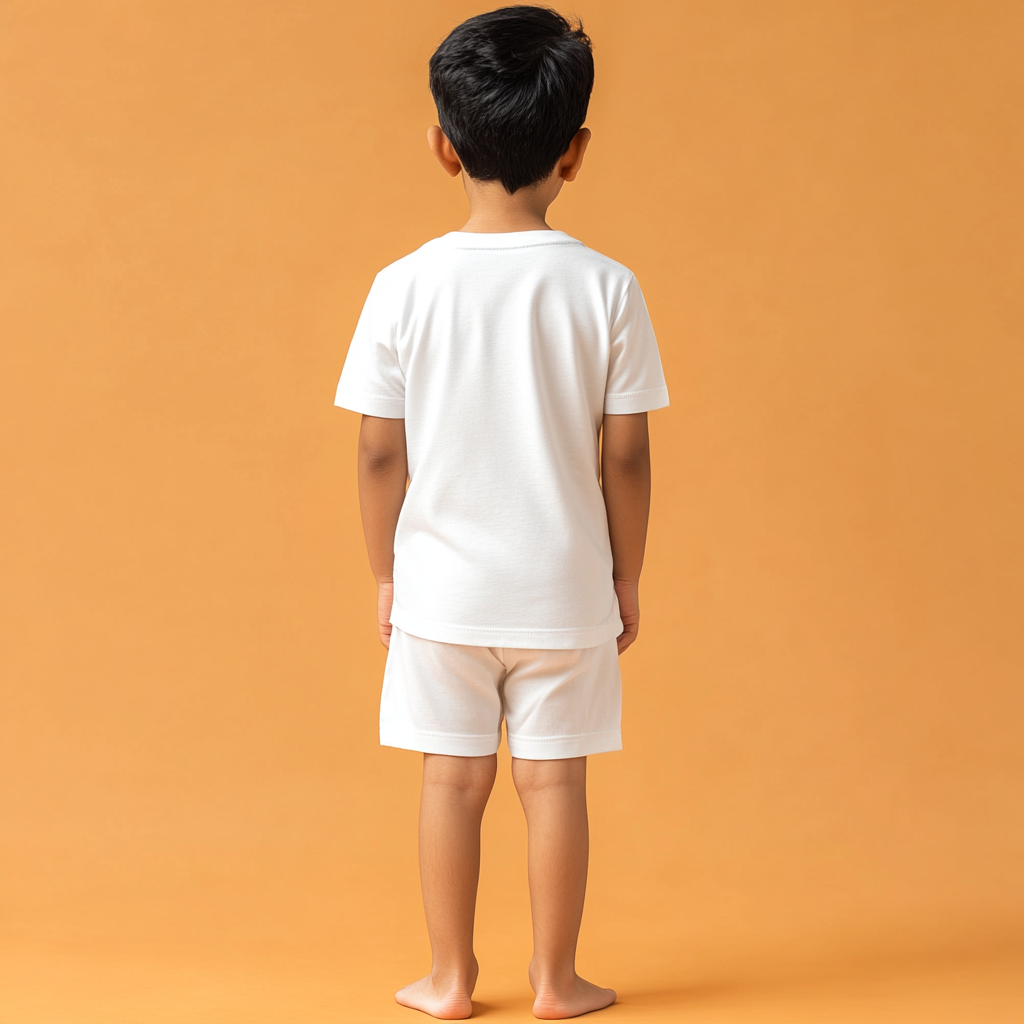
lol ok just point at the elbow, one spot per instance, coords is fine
(381, 459)
(382, 446)
(631, 464)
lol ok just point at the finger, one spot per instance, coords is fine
(626, 637)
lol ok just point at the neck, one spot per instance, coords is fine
(492, 209)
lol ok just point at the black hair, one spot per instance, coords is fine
(512, 88)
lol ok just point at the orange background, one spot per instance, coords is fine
(817, 815)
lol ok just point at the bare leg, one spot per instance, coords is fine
(455, 792)
(554, 797)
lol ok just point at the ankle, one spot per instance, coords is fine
(552, 977)
(454, 975)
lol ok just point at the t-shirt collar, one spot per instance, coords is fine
(504, 239)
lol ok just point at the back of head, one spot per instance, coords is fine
(512, 88)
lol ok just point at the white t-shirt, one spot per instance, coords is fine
(503, 352)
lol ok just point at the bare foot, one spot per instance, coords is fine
(578, 997)
(450, 1001)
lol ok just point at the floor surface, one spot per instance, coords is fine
(75, 985)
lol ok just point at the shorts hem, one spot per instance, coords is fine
(554, 748)
(439, 743)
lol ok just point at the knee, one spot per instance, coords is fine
(531, 777)
(470, 777)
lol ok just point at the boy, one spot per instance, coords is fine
(504, 372)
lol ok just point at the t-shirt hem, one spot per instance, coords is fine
(566, 639)
(636, 401)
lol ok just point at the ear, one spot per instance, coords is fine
(572, 161)
(444, 151)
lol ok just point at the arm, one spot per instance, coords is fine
(383, 472)
(626, 482)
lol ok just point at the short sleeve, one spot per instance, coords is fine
(636, 382)
(372, 381)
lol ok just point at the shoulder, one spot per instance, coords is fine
(604, 263)
(615, 277)
(410, 266)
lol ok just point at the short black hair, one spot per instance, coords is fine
(512, 88)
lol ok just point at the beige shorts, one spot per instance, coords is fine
(450, 699)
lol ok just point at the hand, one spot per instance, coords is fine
(627, 591)
(385, 598)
